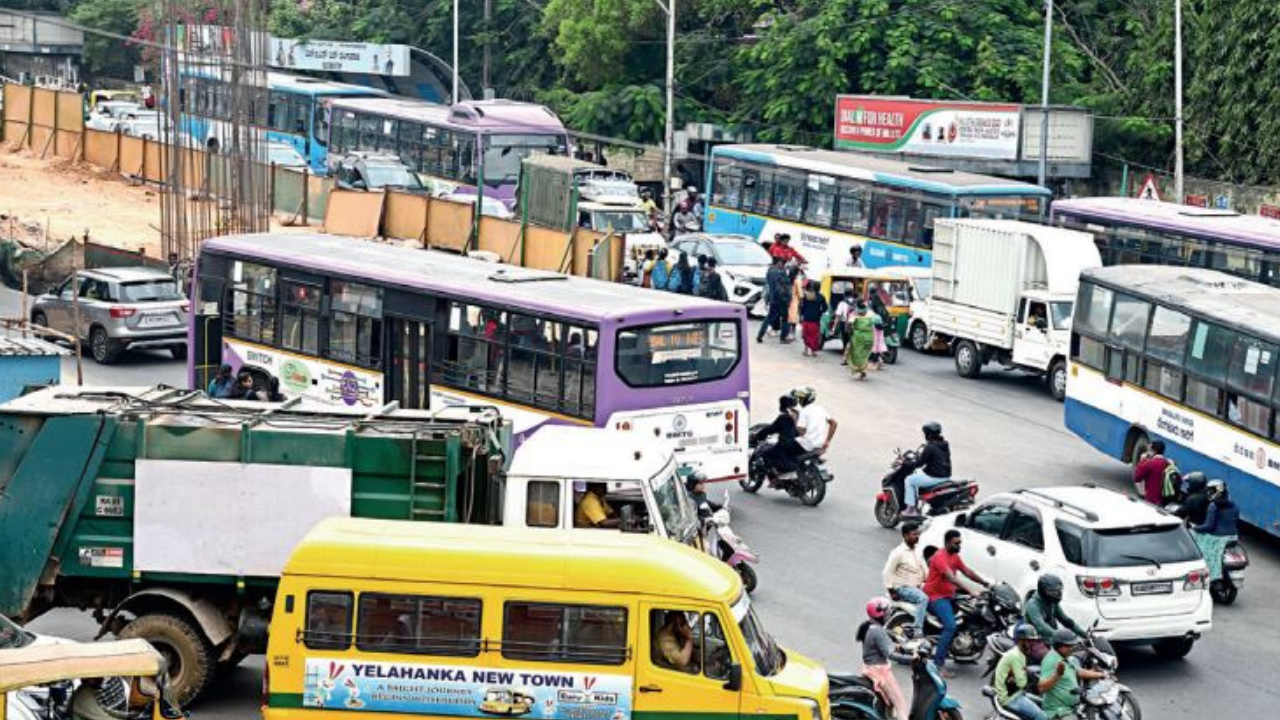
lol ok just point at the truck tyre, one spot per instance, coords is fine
(968, 359)
(190, 658)
(1057, 379)
(919, 335)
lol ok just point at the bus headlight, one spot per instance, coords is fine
(815, 710)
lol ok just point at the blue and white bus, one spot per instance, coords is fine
(1188, 355)
(828, 201)
(296, 112)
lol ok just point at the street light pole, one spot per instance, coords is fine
(1177, 101)
(1042, 172)
(455, 96)
(669, 135)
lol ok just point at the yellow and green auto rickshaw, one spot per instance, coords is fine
(893, 285)
(125, 678)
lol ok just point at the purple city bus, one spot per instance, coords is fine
(454, 149)
(347, 322)
(1130, 231)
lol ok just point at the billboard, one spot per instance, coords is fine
(334, 56)
(927, 127)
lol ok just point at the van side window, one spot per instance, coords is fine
(547, 632)
(542, 504)
(328, 621)
(689, 643)
(419, 625)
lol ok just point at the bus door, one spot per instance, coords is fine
(408, 360)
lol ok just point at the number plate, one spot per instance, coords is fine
(159, 319)
(1152, 588)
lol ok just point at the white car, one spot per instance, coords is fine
(741, 260)
(1132, 568)
(491, 207)
(108, 114)
(144, 124)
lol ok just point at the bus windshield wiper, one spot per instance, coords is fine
(1144, 558)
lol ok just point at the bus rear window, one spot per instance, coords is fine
(677, 353)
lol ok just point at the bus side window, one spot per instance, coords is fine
(328, 620)
(542, 504)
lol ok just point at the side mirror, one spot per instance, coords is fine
(962, 520)
(1042, 323)
(734, 681)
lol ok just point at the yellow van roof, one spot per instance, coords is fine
(604, 560)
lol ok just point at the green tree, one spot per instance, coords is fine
(105, 56)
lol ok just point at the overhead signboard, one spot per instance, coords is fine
(927, 127)
(334, 56)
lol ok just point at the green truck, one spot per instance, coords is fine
(170, 515)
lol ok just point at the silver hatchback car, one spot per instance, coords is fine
(119, 308)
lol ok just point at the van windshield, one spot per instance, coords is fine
(764, 651)
(673, 506)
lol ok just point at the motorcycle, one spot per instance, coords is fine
(955, 494)
(853, 697)
(809, 483)
(721, 542)
(1104, 699)
(991, 612)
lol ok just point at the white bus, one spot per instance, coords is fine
(1187, 355)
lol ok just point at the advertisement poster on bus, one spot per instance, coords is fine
(334, 56)
(330, 383)
(927, 127)
(463, 691)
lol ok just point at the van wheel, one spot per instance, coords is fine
(1058, 380)
(968, 359)
(188, 655)
(1173, 648)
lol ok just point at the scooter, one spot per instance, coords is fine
(1235, 559)
(955, 494)
(853, 697)
(809, 483)
(721, 542)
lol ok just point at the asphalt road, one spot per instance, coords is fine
(820, 565)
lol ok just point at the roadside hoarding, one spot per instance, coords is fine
(927, 127)
(334, 56)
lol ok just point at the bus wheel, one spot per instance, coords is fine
(188, 656)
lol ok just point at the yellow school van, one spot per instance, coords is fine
(448, 621)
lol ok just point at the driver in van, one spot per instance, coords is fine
(675, 641)
(592, 511)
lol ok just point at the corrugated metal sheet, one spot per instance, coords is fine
(13, 346)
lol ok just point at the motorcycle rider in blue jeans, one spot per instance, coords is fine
(932, 467)
(903, 576)
(941, 586)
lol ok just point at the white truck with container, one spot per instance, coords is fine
(1003, 290)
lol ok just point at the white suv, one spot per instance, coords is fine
(1129, 566)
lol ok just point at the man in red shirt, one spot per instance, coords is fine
(781, 248)
(941, 586)
(1149, 472)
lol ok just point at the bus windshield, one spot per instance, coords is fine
(503, 154)
(673, 506)
(677, 353)
(764, 651)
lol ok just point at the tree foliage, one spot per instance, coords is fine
(104, 56)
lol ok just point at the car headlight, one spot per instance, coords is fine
(815, 710)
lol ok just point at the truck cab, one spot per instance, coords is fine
(1042, 331)
(554, 469)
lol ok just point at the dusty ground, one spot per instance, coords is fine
(70, 198)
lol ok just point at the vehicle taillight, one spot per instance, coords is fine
(973, 491)
(624, 425)
(186, 307)
(733, 420)
(1195, 580)
(123, 312)
(1235, 558)
(1093, 586)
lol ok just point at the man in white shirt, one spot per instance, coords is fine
(815, 425)
(847, 306)
(904, 574)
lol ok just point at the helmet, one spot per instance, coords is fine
(1024, 631)
(804, 395)
(1194, 481)
(932, 429)
(877, 607)
(1064, 637)
(1049, 587)
(1216, 489)
(694, 479)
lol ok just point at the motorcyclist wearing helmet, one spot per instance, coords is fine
(1044, 612)
(696, 484)
(877, 652)
(1221, 525)
(1195, 503)
(1060, 677)
(1010, 680)
(782, 455)
(932, 466)
(815, 424)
